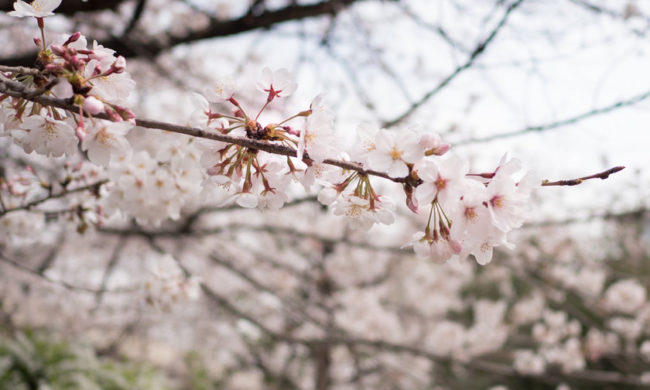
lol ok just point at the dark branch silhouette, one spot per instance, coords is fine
(157, 44)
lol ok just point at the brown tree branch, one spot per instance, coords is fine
(216, 28)
(573, 182)
(29, 205)
(16, 89)
(71, 7)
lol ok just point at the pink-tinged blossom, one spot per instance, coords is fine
(319, 173)
(113, 88)
(64, 39)
(100, 52)
(445, 181)
(393, 151)
(204, 118)
(437, 248)
(625, 296)
(472, 224)
(167, 285)
(599, 344)
(37, 8)
(433, 144)
(508, 199)
(366, 142)
(151, 190)
(361, 213)
(318, 138)
(528, 362)
(277, 83)
(106, 139)
(49, 137)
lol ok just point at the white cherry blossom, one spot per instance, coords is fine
(37, 8)
(49, 137)
(224, 88)
(277, 83)
(105, 140)
(319, 138)
(393, 151)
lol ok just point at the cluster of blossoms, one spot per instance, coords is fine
(468, 214)
(153, 185)
(166, 285)
(91, 77)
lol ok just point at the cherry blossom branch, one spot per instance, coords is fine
(94, 187)
(19, 70)
(480, 48)
(68, 286)
(16, 89)
(572, 182)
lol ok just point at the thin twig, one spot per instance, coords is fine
(19, 265)
(480, 48)
(89, 187)
(563, 122)
(573, 182)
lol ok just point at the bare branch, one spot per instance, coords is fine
(480, 48)
(94, 187)
(573, 182)
(19, 265)
(70, 7)
(553, 125)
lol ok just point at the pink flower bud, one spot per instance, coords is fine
(119, 65)
(113, 116)
(58, 50)
(93, 105)
(213, 171)
(73, 38)
(80, 131)
(37, 41)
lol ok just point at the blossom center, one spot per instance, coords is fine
(395, 153)
(497, 201)
(471, 214)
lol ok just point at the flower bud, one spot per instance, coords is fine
(119, 65)
(73, 38)
(58, 50)
(93, 105)
(80, 131)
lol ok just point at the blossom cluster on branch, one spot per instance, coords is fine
(468, 213)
